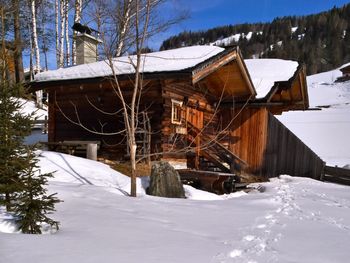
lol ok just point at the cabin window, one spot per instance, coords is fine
(176, 111)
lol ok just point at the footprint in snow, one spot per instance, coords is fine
(249, 238)
(236, 253)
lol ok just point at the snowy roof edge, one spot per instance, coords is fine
(217, 53)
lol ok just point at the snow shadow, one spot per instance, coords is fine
(71, 170)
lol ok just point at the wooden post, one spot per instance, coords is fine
(91, 151)
(45, 126)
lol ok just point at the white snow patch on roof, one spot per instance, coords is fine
(169, 60)
(265, 72)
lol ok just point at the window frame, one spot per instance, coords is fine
(176, 108)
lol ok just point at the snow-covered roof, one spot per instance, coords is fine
(344, 66)
(265, 72)
(163, 61)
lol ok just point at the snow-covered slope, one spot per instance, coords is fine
(325, 131)
(294, 219)
(28, 107)
(233, 39)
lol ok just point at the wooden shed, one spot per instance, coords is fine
(201, 106)
(345, 70)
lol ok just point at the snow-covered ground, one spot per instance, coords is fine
(325, 131)
(29, 106)
(294, 220)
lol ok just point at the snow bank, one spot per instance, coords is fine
(265, 72)
(76, 170)
(294, 218)
(169, 60)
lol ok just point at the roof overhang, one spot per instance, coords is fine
(225, 75)
(289, 95)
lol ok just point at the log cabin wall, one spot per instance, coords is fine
(197, 109)
(82, 100)
(246, 136)
(287, 154)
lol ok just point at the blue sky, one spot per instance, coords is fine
(205, 14)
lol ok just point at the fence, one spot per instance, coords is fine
(336, 175)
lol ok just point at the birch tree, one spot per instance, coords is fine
(39, 93)
(77, 17)
(124, 18)
(66, 11)
(57, 36)
(61, 34)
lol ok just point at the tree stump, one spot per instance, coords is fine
(165, 181)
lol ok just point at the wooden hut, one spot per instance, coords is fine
(201, 106)
(345, 70)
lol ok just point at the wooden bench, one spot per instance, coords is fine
(72, 147)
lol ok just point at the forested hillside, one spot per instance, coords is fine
(322, 41)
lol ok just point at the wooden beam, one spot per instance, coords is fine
(201, 74)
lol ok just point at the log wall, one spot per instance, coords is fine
(197, 109)
(71, 103)
(247, 135)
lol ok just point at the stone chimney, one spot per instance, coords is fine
(86, 48)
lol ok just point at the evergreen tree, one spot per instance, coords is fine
(331, 29)
(33, 204)
(21, 185)
(14, 127)
(22, 188)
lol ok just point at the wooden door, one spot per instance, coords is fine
(195, 117)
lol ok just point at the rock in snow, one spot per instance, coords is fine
(165, 181)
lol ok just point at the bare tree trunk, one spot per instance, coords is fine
(39, 93)
(66, 9)
(18, 44)
(124, 25)
(61, 37)
(133, 148)
(57, 35)
(77, 16)
(44, 37)
(31, 55)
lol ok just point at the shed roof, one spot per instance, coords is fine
(345, 67)
(266, 72)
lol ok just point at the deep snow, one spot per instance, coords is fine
(294, 220)
(325, 131)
